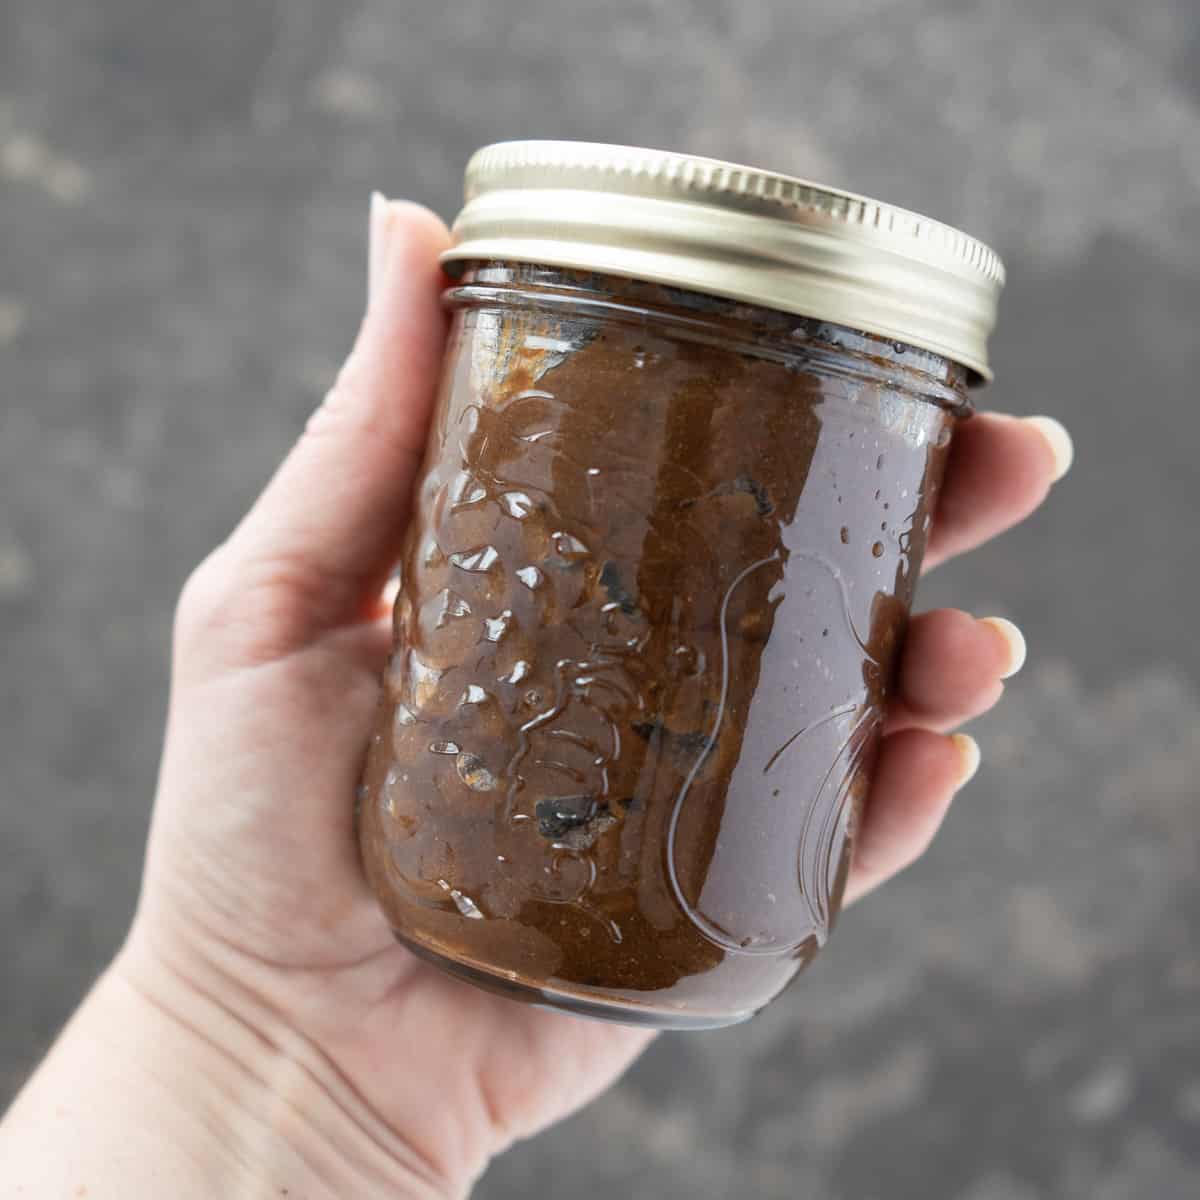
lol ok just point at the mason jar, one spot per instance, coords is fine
(680, 477)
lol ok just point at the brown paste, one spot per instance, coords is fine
(662, 556)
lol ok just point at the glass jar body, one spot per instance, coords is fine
(661, 559)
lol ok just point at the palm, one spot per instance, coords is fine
(300, 921)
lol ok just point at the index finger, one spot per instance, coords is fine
(1000, 470)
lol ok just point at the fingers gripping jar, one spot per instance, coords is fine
(678, 485)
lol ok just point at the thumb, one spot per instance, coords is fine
(325, 532)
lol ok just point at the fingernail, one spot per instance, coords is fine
(391, 590)
(968, 753)
(1055, 432)
(1014, 639)
(377, 243)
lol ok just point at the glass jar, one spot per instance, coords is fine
(659, 570)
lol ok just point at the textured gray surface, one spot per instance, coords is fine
(182, 199)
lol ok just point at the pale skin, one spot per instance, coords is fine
(260, 1033)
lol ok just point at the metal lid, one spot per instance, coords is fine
(733, 231)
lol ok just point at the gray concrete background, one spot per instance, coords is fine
(183, 191)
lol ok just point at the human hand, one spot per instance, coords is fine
(344, 1065)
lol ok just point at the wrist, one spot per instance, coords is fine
(154, 1081)
(295, 1120)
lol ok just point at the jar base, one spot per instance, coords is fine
(576, 1004)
